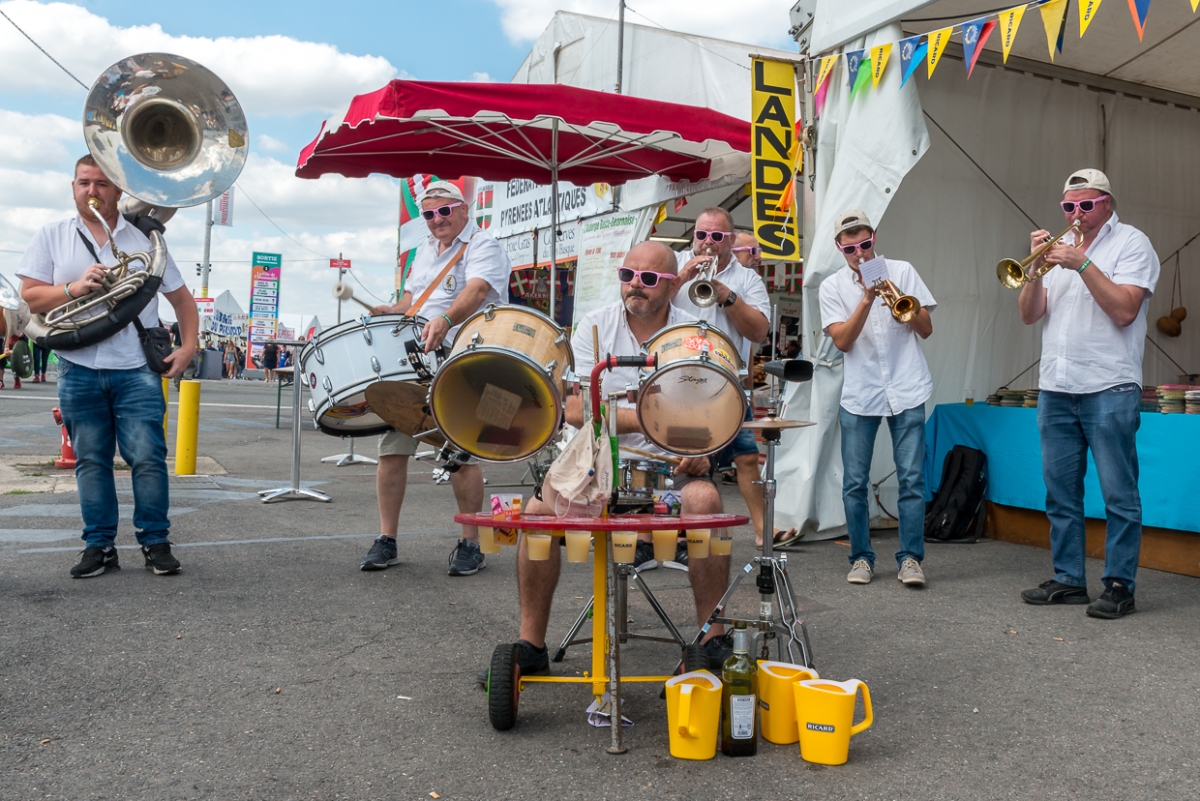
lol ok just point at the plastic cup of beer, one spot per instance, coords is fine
(538, 547)
(578, 543)
(698, 540)
(624, 545)
(721, 542)
(487, 540)
(664, 545)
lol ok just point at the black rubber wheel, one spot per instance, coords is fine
(694, 658)
(503, 687)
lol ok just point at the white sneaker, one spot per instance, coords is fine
(911, 574)
(860, 572)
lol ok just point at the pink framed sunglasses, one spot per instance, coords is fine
(441, 211)
(864, 246)
(1084, 205)
(649, 278)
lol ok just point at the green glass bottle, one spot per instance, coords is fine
(739, 698)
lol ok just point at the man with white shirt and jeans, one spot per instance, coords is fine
(1094, 307)
(478, 276)
(886, 378)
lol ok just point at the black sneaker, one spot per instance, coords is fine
(719, 649)
(532, 661)
(681, 553)
(466, 559)
(95, 561)
(1116, 601)
(382, 554)
(643, 559)
(1055, 592)
(159, 560)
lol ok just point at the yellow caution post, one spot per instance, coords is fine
(187, 428)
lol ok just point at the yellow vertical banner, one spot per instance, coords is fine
(879, 57)
(937, 43)
(773, 120)
(827, 65)
(1054, 14)
(1009, 22)
(1087, 13)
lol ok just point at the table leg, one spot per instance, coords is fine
(613, 642)
(599, 611)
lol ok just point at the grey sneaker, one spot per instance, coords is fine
(466, 559)
(860, 572)
(911, 574)
(382, 554)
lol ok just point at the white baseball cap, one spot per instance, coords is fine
(443, 189)
(1088, 179)
(847, 220)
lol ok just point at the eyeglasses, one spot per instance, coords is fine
(864, 246)
(716, 236)
(443, 211)
(649, 278)
(1084, 205)
(753, 250)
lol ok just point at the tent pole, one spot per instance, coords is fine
(620, 45)
(553, 210)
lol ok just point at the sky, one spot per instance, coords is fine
(291, 65)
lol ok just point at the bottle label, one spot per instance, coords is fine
(741, 716)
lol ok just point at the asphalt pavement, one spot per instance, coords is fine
(273, 668)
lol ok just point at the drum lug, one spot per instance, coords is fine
(367, 335)
(402, 362)
(489, 312)
(631, 393)
(328, 385)
(550, 366)
(319, 356)
(376, 366)
(561, 338)
(476, 339)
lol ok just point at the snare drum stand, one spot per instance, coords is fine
(343, 459)
(295, 491)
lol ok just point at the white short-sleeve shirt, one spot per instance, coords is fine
(485, 259)
(885, 368)
(616, 339)
(1083, 350)
(747, 283)
(57, 256)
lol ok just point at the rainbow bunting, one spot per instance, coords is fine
(1054, 20)
(1009, 22)
(937, 43)
(1087, 13)
(974, 35)
(912, 50)
(1139, 9)
(879, 59)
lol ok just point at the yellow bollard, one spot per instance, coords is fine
(166, 404)
(187, 426)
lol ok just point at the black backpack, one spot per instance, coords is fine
(957, 511)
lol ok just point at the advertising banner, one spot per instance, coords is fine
(603, 243)
(264, 302)
(223, 208)
(773, 121)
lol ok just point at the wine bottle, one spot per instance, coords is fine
(739, 698)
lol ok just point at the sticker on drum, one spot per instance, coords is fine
(348, 412)
(696, 343)
(312, 380)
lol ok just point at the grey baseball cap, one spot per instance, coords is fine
(849, 220)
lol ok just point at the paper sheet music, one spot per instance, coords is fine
(874, 270)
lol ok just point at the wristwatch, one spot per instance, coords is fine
(729, 301)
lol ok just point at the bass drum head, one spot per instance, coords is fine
(495, 405)
(690, 407)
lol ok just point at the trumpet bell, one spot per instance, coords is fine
(906, 308)
(1011, 273)
(702, 293)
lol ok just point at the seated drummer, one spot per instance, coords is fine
(648, 280)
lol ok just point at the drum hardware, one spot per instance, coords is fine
(295, 491)
(1013, 274)
(343, 459)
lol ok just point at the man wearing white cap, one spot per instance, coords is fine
(886, 378)
(1094, 309)
(471, 270)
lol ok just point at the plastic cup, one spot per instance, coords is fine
(578, 543)
(624, 544)
(664, 545)
(538, 547)
(487, 540)
(722, 543)
(698, 539)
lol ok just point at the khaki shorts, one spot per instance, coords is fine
(393, 443)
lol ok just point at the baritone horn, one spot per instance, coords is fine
(1015, 274)
(904, 307)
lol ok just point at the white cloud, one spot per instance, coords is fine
(271, 144)
(268, 74)
(481, 77)
(751, 21)
(38, 141)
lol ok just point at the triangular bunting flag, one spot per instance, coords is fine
(862, 77)
(853, 62)
(1087, 13)
(1139, 9)
(819, 100)
(1009, 22)
(827, 65)
(1054, 16)
(1194, 4)
(974, 34)
(937, 43)
(661, 215)
(879, 59)
(911, 51)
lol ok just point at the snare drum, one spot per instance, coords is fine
(499, 394)
(341, 362)
(692, 404)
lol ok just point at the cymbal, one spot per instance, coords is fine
(402, 405)
(767, 423)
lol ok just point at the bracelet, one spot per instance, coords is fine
(446, 317)
(68, 291)
(1084, 266)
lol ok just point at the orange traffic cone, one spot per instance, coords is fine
(67, 462)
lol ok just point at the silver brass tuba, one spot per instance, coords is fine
(170, 133)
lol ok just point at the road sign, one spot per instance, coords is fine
(339, 264)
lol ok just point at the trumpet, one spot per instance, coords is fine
(904, 307)
(703, 292)
(1014, 274)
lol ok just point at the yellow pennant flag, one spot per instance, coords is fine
(827, 65)
(1009, 22)
(879, 57)
(1053, 14)
(937, 43)
(1087, 13)
(1194, 4)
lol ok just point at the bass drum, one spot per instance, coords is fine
(499, 395)
(692, 404)
(341, 362)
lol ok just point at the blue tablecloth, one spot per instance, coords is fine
(1168, 446)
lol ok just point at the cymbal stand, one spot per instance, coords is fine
(343, 459)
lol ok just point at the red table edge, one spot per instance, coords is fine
(614, 523)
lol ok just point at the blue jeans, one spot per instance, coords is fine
(109, 409)
(742, 444)
(908, 450)
(1107, 422)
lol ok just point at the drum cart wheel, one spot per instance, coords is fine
(504, 687)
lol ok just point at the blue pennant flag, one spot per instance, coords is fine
(853, 62)
(912, 53)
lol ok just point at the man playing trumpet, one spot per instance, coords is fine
(886, 378)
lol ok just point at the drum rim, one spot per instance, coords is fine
(327, 334)
(729, 340)
(519, 309)
(741, 393)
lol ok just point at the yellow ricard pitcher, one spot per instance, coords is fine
(694, 714)
(777, 699)
(825, 718)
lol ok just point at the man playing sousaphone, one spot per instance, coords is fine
(470, 269)
(648, 281)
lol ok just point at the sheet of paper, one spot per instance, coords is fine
(874, 270)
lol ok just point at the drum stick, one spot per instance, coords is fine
(662, 457)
